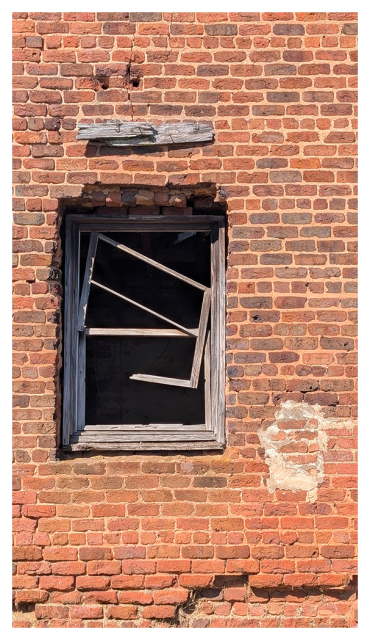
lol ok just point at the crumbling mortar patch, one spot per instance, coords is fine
(286, 470)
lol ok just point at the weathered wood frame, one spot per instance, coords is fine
(120, 133)
(77, 435)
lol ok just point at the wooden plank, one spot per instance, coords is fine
(152, 262)
(143, 436)
(123, 218)
(151, 223)
(114, 129)
(122, 428)
(70, 333)
(175, 382)
(215, 356)
(218, 330)
(81, 378)
(87, 280)
(119, 133)
(199, 345)
(200, 446)
(207, 383)
(162, 333)
(220, 421)
(154, 313)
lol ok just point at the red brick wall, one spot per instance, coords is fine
(223, 540)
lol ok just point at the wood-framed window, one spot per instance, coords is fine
(144, 332)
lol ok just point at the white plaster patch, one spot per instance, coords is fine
(294, 445)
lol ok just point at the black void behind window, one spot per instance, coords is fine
(144, 333)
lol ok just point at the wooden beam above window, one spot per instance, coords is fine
(117, 133)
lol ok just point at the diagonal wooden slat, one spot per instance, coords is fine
(199, 345)
(87, 281)
(154, 263)
(141, 306)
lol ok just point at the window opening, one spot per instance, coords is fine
(143, 333)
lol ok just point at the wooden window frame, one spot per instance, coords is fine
(79, 437)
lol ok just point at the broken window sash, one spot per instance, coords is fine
(141, 430)
(192, 383)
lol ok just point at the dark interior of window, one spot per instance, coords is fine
(111, 396)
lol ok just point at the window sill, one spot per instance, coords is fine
(146, 446)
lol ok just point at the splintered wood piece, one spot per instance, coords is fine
(158, 265)
(136, 304)
(199, 345)
(176, 382)
(119, 133)
(87, 281)
(162, 333)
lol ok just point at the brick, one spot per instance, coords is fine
(68, 568)
(121, 612)
(51, 612)
(221, 29)
(87, 612)
(288, 29)
(283, 96)
(57, 583)
(145, 17)
(159, 612)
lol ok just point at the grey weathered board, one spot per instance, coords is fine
(117, 133)
(87, 280)
(184, 445)
(199, 345)
(162, 333)
(146, 377)
(143, 436)
(152, 426)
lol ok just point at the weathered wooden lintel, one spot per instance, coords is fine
(117, 133)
